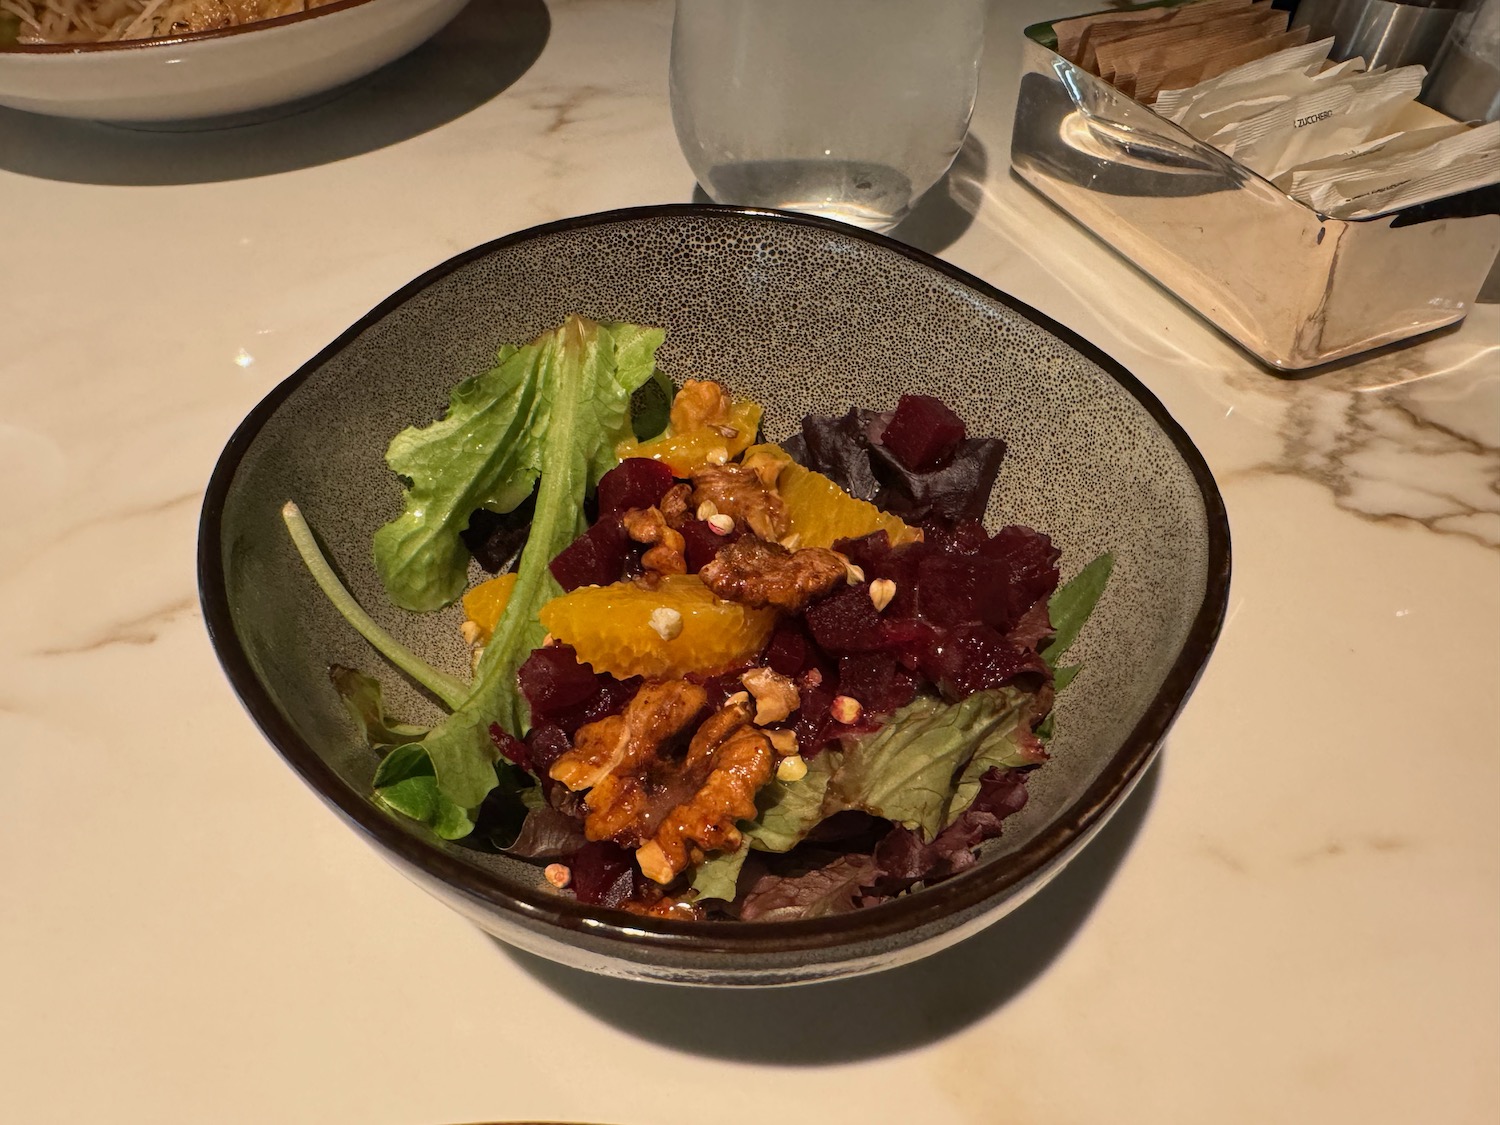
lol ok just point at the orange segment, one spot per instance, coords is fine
(611, 628)
(690, 449)
(821, 512)
(484, 604)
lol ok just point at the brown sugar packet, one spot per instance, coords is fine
(1072, 32)
(1169, 44)
(1152, 68)
(1224, 61)
(1123, 25)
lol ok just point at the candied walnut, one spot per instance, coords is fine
(738, 492)
(666, 907)
(758, 574)
(628, 741)
(739, 762)
(629, 805)
(700, 403)
(674, 505)
(649, 525)
(776, 697)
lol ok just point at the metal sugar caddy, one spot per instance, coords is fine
(1292, 286)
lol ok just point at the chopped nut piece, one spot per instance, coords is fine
(882, 590)
(471, 633)
(791, 768)
(707, 511)
(729, 433)
(721, 524)
(700, 403)
(737, 492)
(738, 697)
(648, 525)
(775, 696)
(792, 541)
(783, 741)
(630, 739)
(674, 505)
(755, 573)
(853, 574)
(666, 623)
(558, 874)
(718, 455)
(846, 709)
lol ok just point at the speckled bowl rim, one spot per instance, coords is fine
(177, 40)
(986, 883)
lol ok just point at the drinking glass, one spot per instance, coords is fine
(844, 108)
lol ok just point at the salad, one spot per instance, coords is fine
(713, 677)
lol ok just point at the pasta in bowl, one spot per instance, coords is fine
(163, 61)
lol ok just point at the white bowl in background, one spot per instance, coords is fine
(216, 74)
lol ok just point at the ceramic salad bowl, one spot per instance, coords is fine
(805, 315)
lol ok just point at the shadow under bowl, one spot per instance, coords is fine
(806, 316)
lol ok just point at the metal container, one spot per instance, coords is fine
(1289, 285)
(1382, 32)
(1465, 80)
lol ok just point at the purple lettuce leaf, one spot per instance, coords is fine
(835, 887)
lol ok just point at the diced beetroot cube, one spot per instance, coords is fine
(908, 639)
(513, 749)
(971, 658)
(636, 482)
(562, 692)
(1031, 560)
(813, 720)
(546, 743)
(702, 543)
(871, 553)
(603, 874)
(923, 432)
(877, 681)
(719, 687)
(964, 537)
(596, 558)
(788, 651)
(553, 680)
(846, 622)
(958, 588)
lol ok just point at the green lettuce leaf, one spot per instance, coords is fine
(362, 696)
(585, 376)
(788, 810)
(904, 771)
(719, 875)
(485, 452)
(1070, 606)
(495, 440)
(405, 782)
(1007, 741)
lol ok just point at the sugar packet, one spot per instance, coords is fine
(1175, 104)
(1326, 121)
(1367, 198)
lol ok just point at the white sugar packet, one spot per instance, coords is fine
(1326, 121)
(1387, 170)
(1216, 112)
(1173, 104)
(1361, 158)
(1358, 200)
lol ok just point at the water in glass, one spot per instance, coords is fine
(844, 108)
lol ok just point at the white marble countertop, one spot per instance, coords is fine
(1295, 918)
